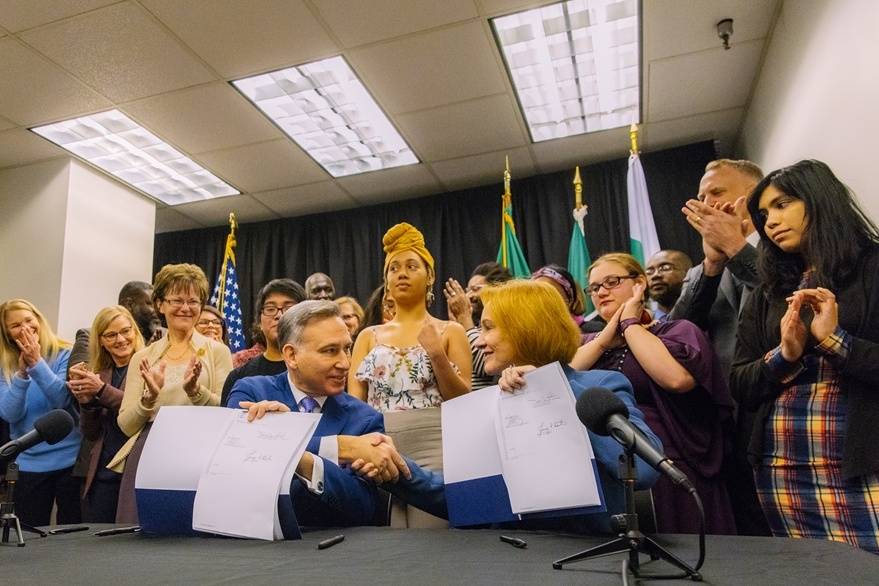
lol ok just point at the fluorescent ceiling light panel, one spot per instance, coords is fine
(326, 109)
(116, 144)
(575, 65)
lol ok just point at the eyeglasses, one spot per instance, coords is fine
(273, 310)
(177, 303)
(665, 267)
(110, 336)
(608, 283)
(215, 323)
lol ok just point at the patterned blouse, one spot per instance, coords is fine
(399, 378)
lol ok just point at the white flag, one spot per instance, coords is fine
(643, 241)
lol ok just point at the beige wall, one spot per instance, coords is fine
(818, 93)
(33, 218)
(72, 237)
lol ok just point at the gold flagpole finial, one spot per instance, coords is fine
(233, 222)
(578, 188)
(633, 138)
(507, 176)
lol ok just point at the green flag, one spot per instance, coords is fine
(579, 260)
(509, 254)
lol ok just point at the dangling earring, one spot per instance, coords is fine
(430, 298)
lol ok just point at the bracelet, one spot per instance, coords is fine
(626, 323)
(100, 391)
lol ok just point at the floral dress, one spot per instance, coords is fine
(399, 378)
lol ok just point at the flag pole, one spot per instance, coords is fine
(230, 243)
(633, 139)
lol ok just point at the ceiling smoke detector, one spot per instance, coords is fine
(725, 31)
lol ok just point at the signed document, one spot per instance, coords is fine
(545, 451)
(238, 491)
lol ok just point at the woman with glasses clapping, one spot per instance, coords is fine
(183, 368)
(678, 385)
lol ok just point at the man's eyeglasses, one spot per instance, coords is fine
(665, 267)
(273, 310)
(608, 283)
(179, 303)
(110, 336)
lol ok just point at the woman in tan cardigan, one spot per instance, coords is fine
(183, 368)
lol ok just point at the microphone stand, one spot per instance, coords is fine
(630, 539)
(8, 518)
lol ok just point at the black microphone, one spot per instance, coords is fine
(603, 413)
(51, 428)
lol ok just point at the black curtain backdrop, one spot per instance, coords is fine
(462, 228)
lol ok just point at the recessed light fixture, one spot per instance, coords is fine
(116, 144)
(328, 111)
(575, 65)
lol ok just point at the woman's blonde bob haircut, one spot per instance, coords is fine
(534, 319)
(99, 357)
(50, 344)
(180, 278)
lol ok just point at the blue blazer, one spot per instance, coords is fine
(426, 489)
(346, 499)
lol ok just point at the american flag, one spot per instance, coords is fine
(226, 297)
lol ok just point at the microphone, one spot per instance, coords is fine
(51, 428)
(603, 413)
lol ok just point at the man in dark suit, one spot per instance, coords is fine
(714, 293)
(316, 346)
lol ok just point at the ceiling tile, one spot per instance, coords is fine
(723, 126)
(18, 15)
(431, 69)
(6, 124)
(38, 90)
(170, 220)
(215, 212)
(205, 118)
(702, 82)
(467, 128)
(358, 23)
(20, 146)
(497, 7)
(307, 199)
(483, 169)
(674, 27)
(583, 149)
(391, 184)
(238, 38)
(264, 166)
(121, 52)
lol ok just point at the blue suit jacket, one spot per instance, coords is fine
(426, 489)
(346, 499)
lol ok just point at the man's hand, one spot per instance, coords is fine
(720, 225)
(380, 459)
(460, 308)
(258, 410)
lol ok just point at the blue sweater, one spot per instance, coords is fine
(23, 401)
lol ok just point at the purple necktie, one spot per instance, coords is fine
(308, 405)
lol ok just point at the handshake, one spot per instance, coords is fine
(371, 456)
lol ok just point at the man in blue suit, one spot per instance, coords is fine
(316, 347)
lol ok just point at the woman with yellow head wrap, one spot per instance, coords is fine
(407, 367)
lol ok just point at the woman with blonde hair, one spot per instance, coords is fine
(407, 367)
(97, 387)
(352, 314)
(33, 368)
(678, 385)
(183, 368)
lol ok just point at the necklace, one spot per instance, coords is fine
(179, 356)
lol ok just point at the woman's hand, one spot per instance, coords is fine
(29, 344)
(460, 308)
(190, 378)
(513, 377)
(634, 307)
(84, 384)
(793, 331)
(610, 336)
(154, 380)
(824, 306)
(431, 340)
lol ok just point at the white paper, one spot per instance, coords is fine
(238, 491)
(545, 451)
(470, 448)
(188, 433)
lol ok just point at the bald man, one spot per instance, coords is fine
(320, 286)
(665, 276)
